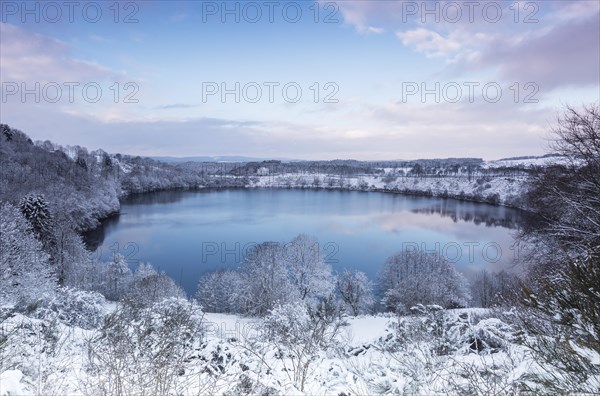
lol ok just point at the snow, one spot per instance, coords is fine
(10, 383)
(367, 329)
(227, 326)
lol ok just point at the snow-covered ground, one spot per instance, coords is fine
(380, 354)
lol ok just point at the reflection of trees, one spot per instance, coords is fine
(93, 239)
(156, 198)
(488, 215)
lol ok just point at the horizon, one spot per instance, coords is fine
(310, 80)
(241, 158)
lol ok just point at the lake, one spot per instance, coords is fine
(187, 233)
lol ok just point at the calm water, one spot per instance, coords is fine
(188, 233)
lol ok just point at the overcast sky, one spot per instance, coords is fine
(346, 79)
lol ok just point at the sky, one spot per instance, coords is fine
(367, 80)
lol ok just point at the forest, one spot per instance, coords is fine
(72, 324)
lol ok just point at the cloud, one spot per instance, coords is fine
(429, 42)
(32, 57)
(569, 54)
(375, 30)
(558, 47)
(391, 131)
(175, 106)
(362, 13)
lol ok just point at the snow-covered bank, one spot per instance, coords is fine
(498, 190)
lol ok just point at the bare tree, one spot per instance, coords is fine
(355, 291)
(567, 196)
(495, 289)
(562, 296)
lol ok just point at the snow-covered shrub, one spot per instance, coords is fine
(449, 332)
(146, 351)
(39, 349)
(247, 386)
(487, 336)
(301, 333)
(149, 287)
(73, 307)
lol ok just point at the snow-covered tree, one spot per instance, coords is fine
(219, 291)
(25, 274)
(416, 277)
(35, 209)
(266, 283)
(356, 291)
(73, 307)
(309, 274)
(116, 278)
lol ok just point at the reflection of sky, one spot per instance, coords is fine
(197, 232)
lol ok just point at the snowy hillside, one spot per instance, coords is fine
(496, 190)
(526, 162)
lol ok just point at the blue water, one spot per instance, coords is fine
(187, 233)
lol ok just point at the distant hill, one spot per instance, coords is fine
(224, 158)
(551, 155)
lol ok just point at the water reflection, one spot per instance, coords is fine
(156, 198)
(490, 217)
(93, 239)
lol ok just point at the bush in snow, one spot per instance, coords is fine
(146, 351)
(448, 332)
(73, 307)
(149, 287)
(487, 336)
(301, 333)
